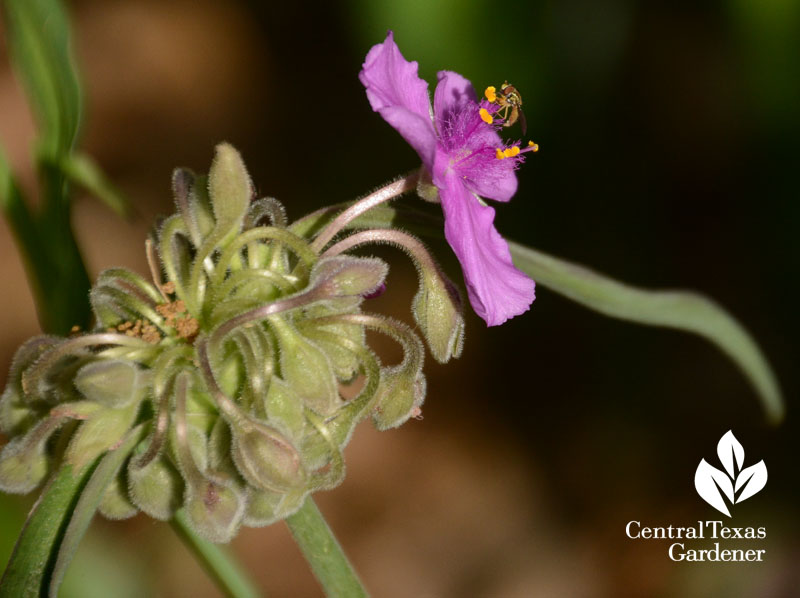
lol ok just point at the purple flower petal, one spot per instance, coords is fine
(497, 289)
(498, 183)
(453, 94)
(397, 93)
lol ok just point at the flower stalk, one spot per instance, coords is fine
(323, 552)
(374, 199)
(216, 560)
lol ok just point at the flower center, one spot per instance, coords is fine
(503, 109)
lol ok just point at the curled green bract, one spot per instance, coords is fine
(231, 363)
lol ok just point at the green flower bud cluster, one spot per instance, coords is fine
(228, 365)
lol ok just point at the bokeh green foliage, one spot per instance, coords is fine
(38, 37)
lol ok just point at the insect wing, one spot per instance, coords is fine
(522, 122)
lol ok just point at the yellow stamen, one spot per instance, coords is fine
(491, 93)
(499, 154)
(533, 146)
(512, 151)
(486, 117)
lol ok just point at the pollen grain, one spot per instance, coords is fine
(176, 316)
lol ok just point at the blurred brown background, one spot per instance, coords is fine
(668, 158)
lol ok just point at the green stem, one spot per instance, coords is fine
(220, 565)
(323, 553)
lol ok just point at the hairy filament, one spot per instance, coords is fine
(408, 243)
(384, 194)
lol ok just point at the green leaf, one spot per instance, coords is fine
(39, 44)
(683, 310)
(12, 516)
(87, 504)
(55, 269)
(22, 225)
(21, 220)
(82, 170)
(31, 561)
(9, 192)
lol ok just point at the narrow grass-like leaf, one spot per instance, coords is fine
(34, 553)
(23, 226)
(84, 171)
(39, 44)
(87, 504)
(683, 310)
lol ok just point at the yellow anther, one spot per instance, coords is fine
(534, 147)
(491, 93)
(486, 117)
(512, 151)
(499, 154)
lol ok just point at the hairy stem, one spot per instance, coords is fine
(323, 553)
(408, 243)
(384, 194)
(216, 561)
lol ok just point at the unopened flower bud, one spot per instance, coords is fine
(438, 310)
(113, 383)
(265, 507)
(17, 411)
(426, 189)
(230, 191)
(401, 391)
(15, 415)
(116, 503)
(156, 488)
(197, 443)
(220, 449)
(265, 458)
(283, 408)
(307, 369)
(215, 509)
(23, 461)
(317, 451)
(337, 340)
(343, 276)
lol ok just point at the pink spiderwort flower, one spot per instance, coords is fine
(459, 145)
